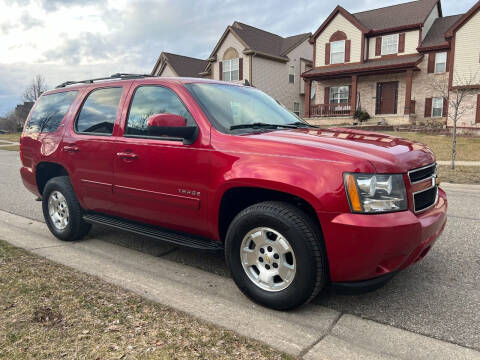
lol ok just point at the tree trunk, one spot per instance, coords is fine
(454, 143)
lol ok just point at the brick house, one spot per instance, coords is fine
(268, 61)
(386, 60)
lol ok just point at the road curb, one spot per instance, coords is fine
(314, 331)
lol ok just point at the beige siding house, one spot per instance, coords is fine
(269, 62)
(265, 60)
(388, 61)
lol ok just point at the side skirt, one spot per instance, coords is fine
(168, 236)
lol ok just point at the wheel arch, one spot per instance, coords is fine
(47, 170)
(240, 196)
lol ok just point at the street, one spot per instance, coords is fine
(439, 297)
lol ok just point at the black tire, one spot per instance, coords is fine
(304, 237)
(76, 227)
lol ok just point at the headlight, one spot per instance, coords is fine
(374, 193)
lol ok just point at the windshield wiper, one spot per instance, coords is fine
(302, 124)
(260, 125)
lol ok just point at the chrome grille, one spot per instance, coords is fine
(425, 199)
(423, 173)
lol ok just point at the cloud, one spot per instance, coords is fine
(78, 39)
(28, 22)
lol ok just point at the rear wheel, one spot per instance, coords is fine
(62, 211)
(276, 255)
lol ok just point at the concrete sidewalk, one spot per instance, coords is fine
(313, 332)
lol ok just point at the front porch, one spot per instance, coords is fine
(383, 88)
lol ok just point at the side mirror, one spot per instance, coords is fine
(171, 125)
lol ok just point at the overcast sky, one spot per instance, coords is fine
(77, 39)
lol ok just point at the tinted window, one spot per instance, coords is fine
(49, 111)
(150, 100)
(227, 105)
(99, 111)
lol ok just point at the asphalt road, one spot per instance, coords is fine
(438, 297)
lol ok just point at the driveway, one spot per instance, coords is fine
(439, 297)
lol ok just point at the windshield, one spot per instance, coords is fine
(233, 108)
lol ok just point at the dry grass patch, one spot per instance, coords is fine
(10, 148)
(14, 137)
(50, 311)
(468, 148)
(461, 174)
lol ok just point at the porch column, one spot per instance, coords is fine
(308, 84)
(408, 91)
(353, 100)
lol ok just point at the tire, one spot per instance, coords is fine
(273, 221)
(74, 228)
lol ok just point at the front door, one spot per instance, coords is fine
(387, 96)
(160, 180)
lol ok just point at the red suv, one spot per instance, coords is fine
(218, 166)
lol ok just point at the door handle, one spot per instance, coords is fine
(72, 148)
(127, 155)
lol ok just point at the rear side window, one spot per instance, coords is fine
(99, 111)
(150, 100)
(50, 111)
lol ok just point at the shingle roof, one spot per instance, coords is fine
(393, 63)
(186, 66)
(411, 13)
(267, 42)
(436, 35)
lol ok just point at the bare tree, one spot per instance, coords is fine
(457, 98)
(36, 88)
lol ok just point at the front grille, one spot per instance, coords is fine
(425, 199)
(422, 173)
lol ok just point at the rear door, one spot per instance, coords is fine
(160, 180)
(88, 146)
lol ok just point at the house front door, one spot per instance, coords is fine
(387, 96)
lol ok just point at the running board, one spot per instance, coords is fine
(171, 237)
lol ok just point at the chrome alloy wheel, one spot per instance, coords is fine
(268, 259)
(58, 210)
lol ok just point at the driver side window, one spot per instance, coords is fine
(150, 100)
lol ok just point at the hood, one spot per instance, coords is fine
(387, 154)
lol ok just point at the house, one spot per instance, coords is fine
(169, 64)
(386, 61)
(267, 61)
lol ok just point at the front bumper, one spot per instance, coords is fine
(363, 247)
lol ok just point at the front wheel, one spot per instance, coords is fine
(276, 255)
(61, 210)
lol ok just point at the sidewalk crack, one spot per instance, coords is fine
(328, 332)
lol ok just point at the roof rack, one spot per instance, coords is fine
(120, 76)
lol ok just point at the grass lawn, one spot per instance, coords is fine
(50, 311)
(468, 148)
(10, 137)
(461, 174)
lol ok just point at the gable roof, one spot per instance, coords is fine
(184, 66)
(460, 22)
(262, 42)
(402, 16)
(436, 35)
(397, 16)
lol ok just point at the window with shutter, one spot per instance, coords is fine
(401, 43)
(348, 45)
(477, 120)
(437, 107)
(327, 54)
(428, 107)
(431, 63)
(378, 46)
